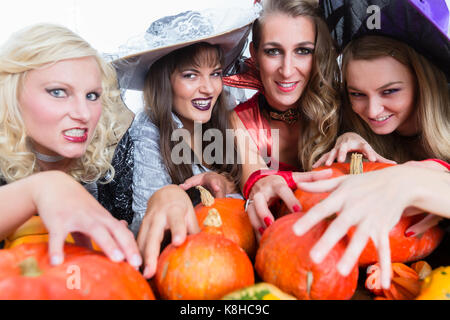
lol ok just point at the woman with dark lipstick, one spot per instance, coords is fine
(182, 86)
(58, 101)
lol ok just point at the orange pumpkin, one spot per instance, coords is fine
(283, 260)
(25, 273)
(206, 266)
(236, 224)
(403, 249)
(34, 231)
(310, 199)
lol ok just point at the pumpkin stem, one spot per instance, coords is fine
(213, 219)
(30, 268)
(206, 196)
(356, 164)
(309, 281)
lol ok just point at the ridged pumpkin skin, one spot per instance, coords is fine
(404, 249)
(206, 266)
(236, 224)
(100, 278)
(283, 260)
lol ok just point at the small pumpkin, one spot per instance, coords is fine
(206, 266)
(259, 291)
(34, 231)
(26, 274)
(436, 286)
(236, 224)
(283, 260)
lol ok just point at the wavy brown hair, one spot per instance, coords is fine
(158, 99)
(432, 102)
(319, 103)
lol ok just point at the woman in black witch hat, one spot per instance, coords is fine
(396, 102)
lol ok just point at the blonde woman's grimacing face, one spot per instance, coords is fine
(285, 58)
(60, 105)
(382, 93)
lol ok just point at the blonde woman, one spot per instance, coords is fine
(58, 101)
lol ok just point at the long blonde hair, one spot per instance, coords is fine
(319, 103)
(432, 101)
(32, 48)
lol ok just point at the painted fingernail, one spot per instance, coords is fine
(261, 230)
(410, 234)
(297, 208)
(136, 260)
(56, 260)
(268, 221)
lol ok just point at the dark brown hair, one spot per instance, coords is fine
(159, 107)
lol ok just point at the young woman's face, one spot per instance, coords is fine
(382, 93)
(60, 106)
(285, 58)
(195, 92)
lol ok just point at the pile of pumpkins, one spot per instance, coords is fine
(222, 260)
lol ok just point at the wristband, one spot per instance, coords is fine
(259, 174)
(441, 162)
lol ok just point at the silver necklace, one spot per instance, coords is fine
(47, 158)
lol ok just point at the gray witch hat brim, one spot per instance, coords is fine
(422, 24)
(132, 69)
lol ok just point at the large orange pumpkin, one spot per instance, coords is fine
(236, 224)
(206, 266)
(25, 273)
(283, 260)
(403, 249)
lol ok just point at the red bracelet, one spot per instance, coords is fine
(442, 162)
(259, 174)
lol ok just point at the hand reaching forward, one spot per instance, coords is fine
(350, 142)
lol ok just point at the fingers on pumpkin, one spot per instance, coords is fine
(107, 243)
(355, 247)
(423, 225)
(320, 211)
(384, 256)
(287, 196)
(334, 233)
(55, 247)
(149, 240)
(342, 153)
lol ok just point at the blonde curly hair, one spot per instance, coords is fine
(32, 48)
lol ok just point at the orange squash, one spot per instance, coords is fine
(283, 260)
(26, 274)
(207, 266)
(236, 224)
